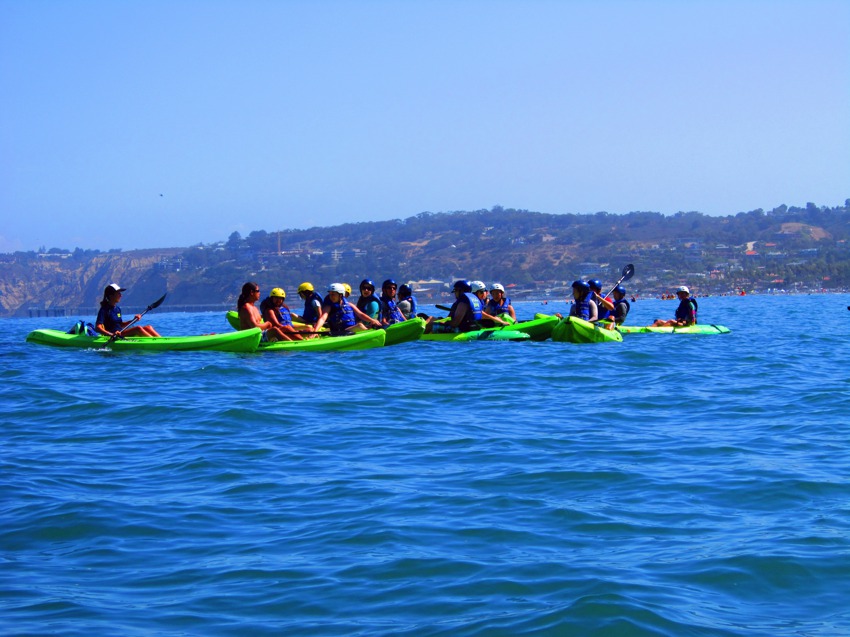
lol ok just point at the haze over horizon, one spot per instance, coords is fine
(159, 124)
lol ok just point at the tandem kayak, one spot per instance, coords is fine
(699, 328)
(490, 334)
(244, 341)
(575, 330)
(539, 328)
(367, 339)
(396, 333)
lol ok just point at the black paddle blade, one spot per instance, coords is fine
(156, 303)
(628, 272)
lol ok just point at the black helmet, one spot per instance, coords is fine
(388, 283)
(462, 285)
(404, 290)
(367, 283)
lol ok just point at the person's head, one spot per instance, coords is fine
(595, 285)
(461, 287)
(277, 295)
(478, 288)
(404, 291)
(335, 292)
(683, 292)
(347, 289)
(619, 292)
(367, 287)
(580, 289)
(389, 287)
(250, 293)
(112, 292)
(497, 290)
(305, 289)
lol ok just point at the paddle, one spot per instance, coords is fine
(628, 273)
(446, 308)
(150, 307)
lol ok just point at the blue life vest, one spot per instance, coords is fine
(687, 308)
(390, 311)
(311, 314)
(364, 302)
(582, 308)
(601, 311)
(109, 317)
(340, 317)
(473, 314)
(494, 310)
(616, 309)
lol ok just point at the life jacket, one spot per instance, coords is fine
(582, 308)
(413, 304)
(390, 311)
(618, 303)
(311, 314)
(685, 308)
(340, 317)
(601, 311)
(472, 316)
(494, 310)
(110, 317)
(365, 301)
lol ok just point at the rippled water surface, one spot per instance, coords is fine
(668, 485)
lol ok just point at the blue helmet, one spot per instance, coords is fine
(388, 283)
(367, 283)
(595, 284)
(462, 285)
(581, 285)
(620, 289)
(404, 290)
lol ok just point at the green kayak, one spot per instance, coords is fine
(244, 341)
(699, 328)
(539, 328)
(396, 333)
(492, 334)
(575, 330)
(367, 339)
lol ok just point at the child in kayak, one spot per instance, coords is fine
(249, 316)
(340, 315)
(621, 308)
(464, 313)
(499, 304)
(276, 312)
(686, 313)
(109, 321)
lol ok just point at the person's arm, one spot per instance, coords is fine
(604, 302)
(460, 313)
(322, 319)
(270, 317)
(495, 319)
(594, 313)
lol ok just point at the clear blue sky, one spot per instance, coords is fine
(168, 123)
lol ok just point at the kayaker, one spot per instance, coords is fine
(340, 315)
(487, 320)
(389, 310)
(369, 303)
(312, 303)
(274, 310)
(109, 321)
(464, 313)
(583, 307)
(604, 306)
(347, 289)
(621, 307)
(499, 304)
(250, 317)
(406, 301)
(686, 313)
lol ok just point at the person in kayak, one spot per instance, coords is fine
(499, 304)
(347, 289)
(582, 307)
(686, 313)
(389, 310)
(464, 313)
(275, 311)
(312, 303)
(406, 301)
(621, 308)
(604, 306)
(340, 315)
(369, 303)
(250, 317)
(487, 320)
(109, 321)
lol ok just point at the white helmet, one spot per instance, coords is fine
(477, 286)
(339, 288)
(497, 286)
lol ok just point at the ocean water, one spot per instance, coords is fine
(669, 485)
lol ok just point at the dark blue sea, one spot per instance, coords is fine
(668, 485)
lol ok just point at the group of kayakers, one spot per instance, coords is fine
(476, 306)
